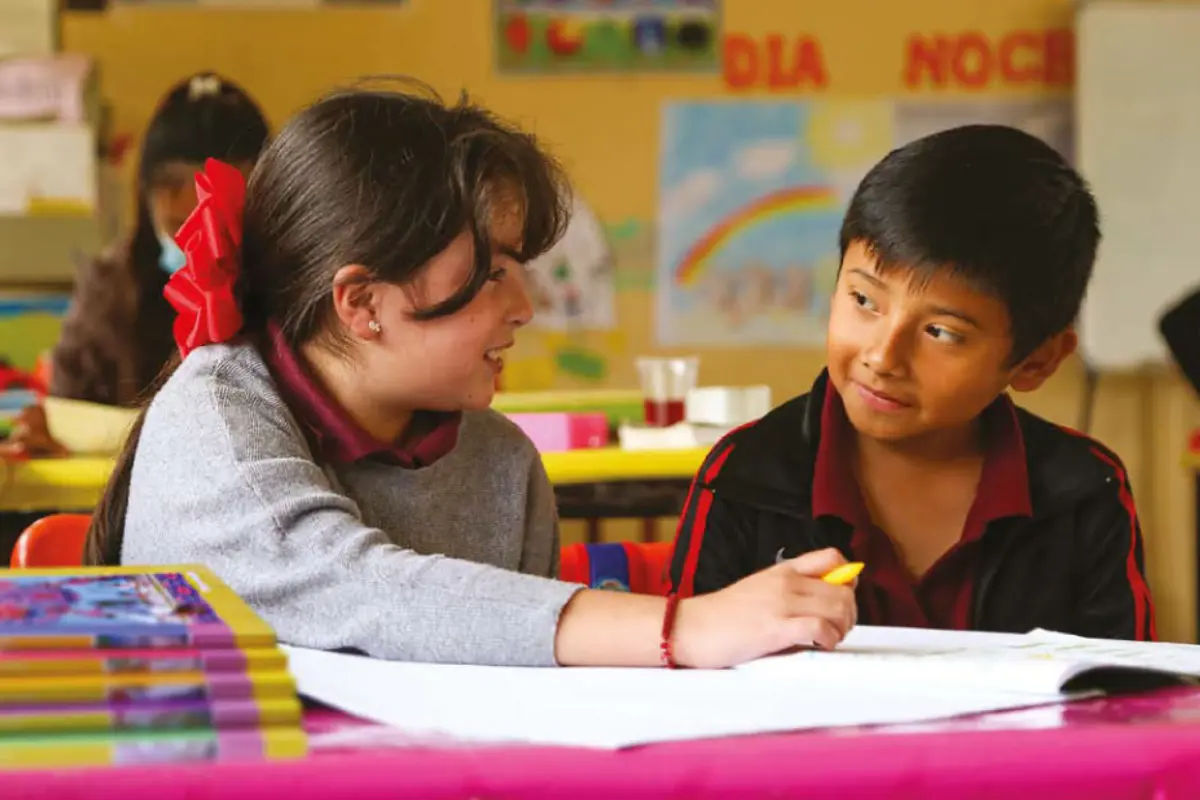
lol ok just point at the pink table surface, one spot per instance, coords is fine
(1145, 746)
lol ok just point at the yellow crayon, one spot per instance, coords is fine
(844, 574)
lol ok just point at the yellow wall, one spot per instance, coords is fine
(285, 57)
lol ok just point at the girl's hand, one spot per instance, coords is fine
(30, 437)
(780, 607)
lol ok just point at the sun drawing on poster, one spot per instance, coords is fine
(751, 195)
(750, 202)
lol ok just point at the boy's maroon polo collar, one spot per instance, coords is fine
(1003, 487)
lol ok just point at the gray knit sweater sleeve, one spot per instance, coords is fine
(224, 477)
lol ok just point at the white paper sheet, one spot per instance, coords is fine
(1165, 656)
(967, 661)
(615, 708)
(1038, 663)
(878, 676)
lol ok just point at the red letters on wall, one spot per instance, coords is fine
(971, 60)
(967, 60)
(775, 62)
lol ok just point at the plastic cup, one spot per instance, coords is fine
(665, 386)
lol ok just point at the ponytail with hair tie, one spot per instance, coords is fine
(203, 293)
(204, 85)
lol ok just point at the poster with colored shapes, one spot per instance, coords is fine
(30, 323)
(572, 284)
(751, 195)
(549, 36)
(29, 327)
(543, 360)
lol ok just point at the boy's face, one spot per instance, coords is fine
(911, 360)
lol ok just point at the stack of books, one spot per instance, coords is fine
(136, 665)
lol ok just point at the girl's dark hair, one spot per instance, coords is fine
(379, 177)
(203, 116)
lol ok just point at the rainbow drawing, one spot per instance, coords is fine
(760, 210)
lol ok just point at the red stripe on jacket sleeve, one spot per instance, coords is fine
(703, 500)
(1144, 627)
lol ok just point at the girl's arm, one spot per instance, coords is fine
(223, 477)
(778, 608)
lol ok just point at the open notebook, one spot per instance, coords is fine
(878, 676)
(1039, 662)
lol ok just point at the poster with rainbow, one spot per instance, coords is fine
(750, 200)
(751, 195)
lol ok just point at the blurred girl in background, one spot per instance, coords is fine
(116, 336)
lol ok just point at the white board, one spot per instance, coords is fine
(1138, 144)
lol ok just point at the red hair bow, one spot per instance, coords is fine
(202, 292)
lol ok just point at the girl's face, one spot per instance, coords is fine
(449, 363)
(170, 198)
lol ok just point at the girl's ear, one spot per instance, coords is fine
(1031, 373)
(356, 300)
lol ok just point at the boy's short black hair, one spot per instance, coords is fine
(990, 204)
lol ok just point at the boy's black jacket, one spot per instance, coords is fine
(1076, 566)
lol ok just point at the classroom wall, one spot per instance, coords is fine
(606, 130)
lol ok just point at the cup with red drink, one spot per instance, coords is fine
(665, 386)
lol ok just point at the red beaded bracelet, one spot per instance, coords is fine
(668, 627)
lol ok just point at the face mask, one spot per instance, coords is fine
(172, 258)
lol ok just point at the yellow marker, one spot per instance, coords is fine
(844, 574)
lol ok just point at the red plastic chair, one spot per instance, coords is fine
(622, 566)
(53, 541)
(58, 540)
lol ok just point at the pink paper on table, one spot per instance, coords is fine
(554, 432)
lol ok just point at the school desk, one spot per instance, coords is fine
(590, 485)
(1132, 747)
(52, 484)
(619, 405)
(32, 489)
(608, 483)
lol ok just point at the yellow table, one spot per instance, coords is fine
(75, 484)
(617, 404)
(58, 484)
(613, 465)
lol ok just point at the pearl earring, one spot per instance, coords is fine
(375, 327)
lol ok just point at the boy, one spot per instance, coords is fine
(965, 256)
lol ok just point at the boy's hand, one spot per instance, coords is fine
(780, 607)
